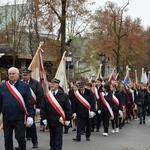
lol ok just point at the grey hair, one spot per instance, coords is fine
(13, 68)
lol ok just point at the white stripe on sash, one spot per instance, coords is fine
(115, 100)
(33, 96)
(82, 100)
(106, 104)
(17, 96)
(94, 89)
(56, 105)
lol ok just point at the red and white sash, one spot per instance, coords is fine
(18, 97)
(33, 96)
(106, 104)
(82, 100)
(115, 100)
(56, 105)
(94, 89)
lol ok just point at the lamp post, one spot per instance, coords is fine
(102, 59)
(69, 58)
(121, 69)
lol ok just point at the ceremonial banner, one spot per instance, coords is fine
(144, 78)
(61, 74)
(127, 77)
(37, 67)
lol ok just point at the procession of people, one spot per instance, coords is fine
(86, 107)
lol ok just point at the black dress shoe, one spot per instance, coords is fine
(17, 148)
(28, 138)
(97, 130)
(65, 132)
(87, 139)
(75, 139)
(92, 130)
(35, 145)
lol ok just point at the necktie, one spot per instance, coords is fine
(53, 93)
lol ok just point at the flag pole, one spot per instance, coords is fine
(99, 72)
(136, 78)
(40, 44)
(116, 76)
(111, 75)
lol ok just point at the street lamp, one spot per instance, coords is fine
(102, 56)
(102, 59)
(121, 69)
(69, 58)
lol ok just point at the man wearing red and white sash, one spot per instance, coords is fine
(16, 105)
(83, 104)
(56, 112)
(37, 93)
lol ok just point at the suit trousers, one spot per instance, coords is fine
(83, 122)
(105, 119)
(31, 132)
(56, 137)
(19, 128)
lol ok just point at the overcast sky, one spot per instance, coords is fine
(136, 8)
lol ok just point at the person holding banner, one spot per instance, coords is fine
(83, 104)
(56, 112)
(17, 108)
(37, 93)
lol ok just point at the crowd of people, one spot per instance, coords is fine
(86, 107)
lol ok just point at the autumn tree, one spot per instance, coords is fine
(120, 37)
(13, 27)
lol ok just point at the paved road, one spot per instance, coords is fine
(132, 137)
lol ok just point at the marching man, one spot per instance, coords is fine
(56, 112)
(83, 104)
(17, 108)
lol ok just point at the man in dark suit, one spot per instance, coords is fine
(37, 98)
(83, 104)
(56, 112)
(15, 105)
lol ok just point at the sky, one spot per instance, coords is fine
(136, 8)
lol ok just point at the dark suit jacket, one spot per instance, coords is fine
(10, 107)
(38, 91)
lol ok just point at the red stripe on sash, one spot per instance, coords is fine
(52, 102)
(17, 98)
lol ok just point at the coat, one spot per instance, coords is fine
(10, 107)
(79, 108)
(49, 113)
(38, 91)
